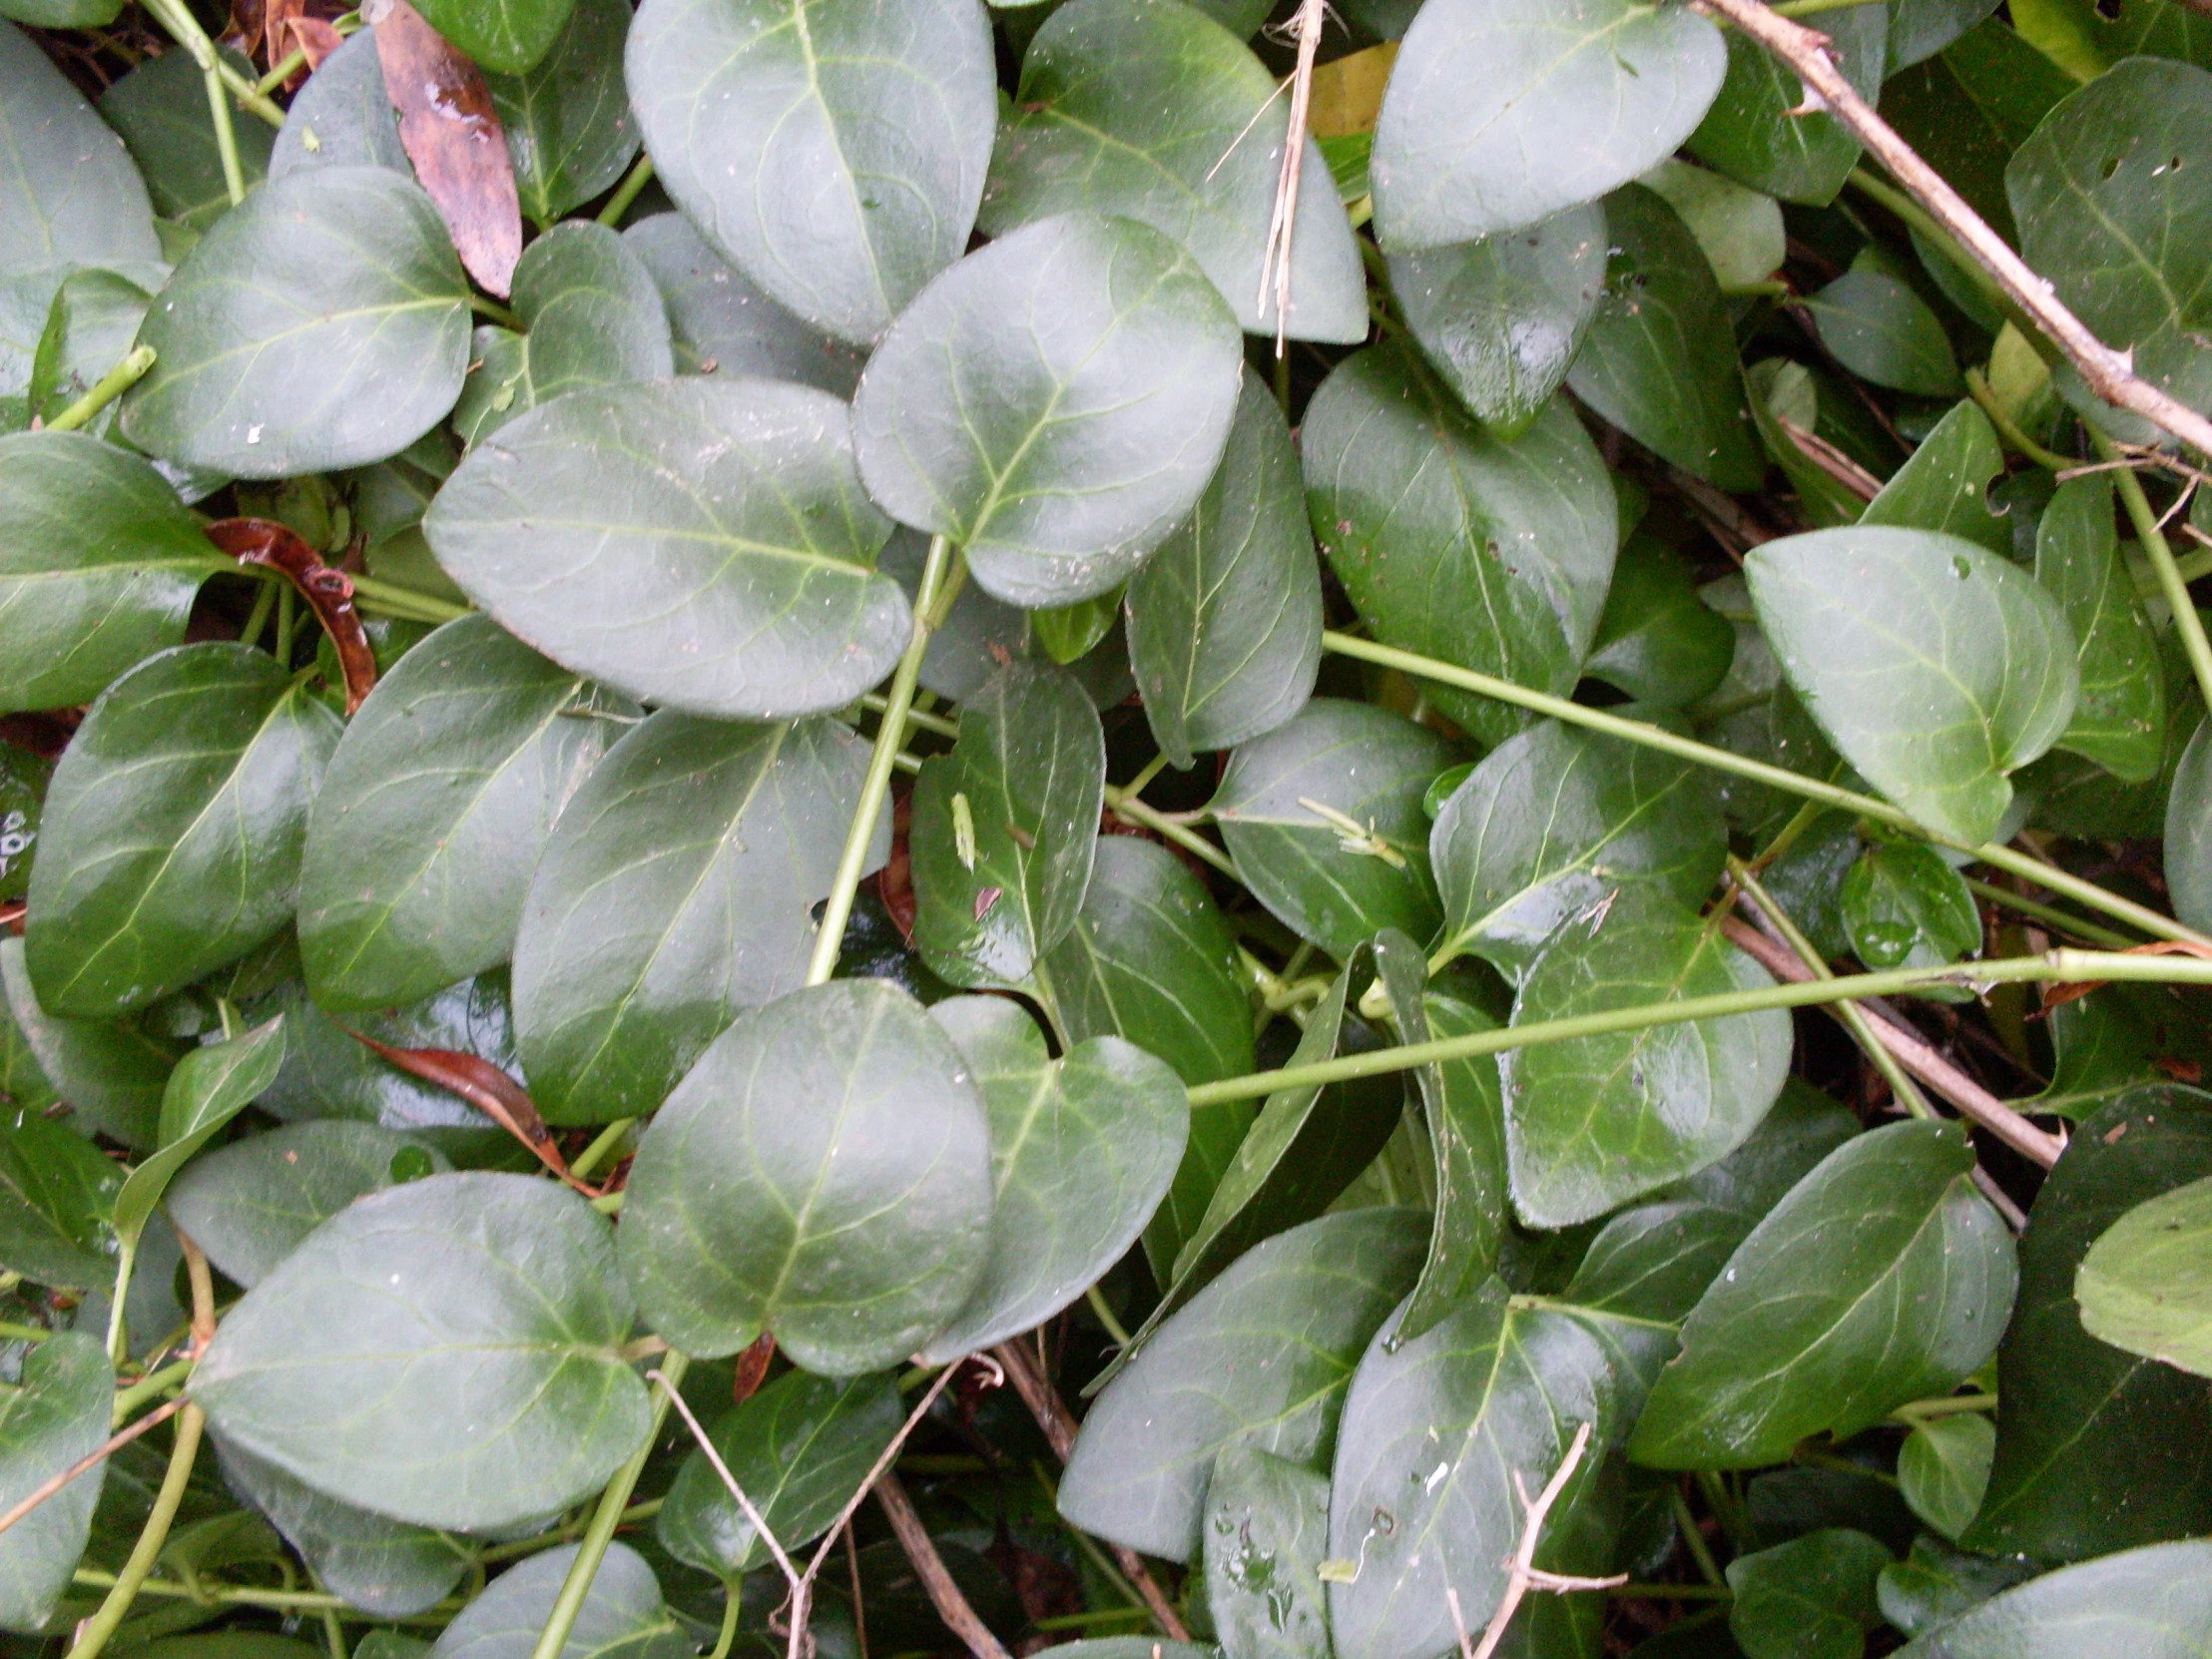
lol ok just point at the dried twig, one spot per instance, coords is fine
(2108, 374)
(1522, 1573)
(953, 1607)
(90, 1461)
(1274, 259)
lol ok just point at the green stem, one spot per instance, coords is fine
(1813, 8)
(148, 1390)
(287, 622)
(390, 596)
(733, 1599)
(1773, 777)
(1920, 1410)
(920, 719)
(601, 1532)
(95, 1632)
(937, 575)
(1114, 1326)
(626, 193)
(1700, 1551)
(485, 306)
(1670, 1592)
(2050, 916)
(119, 1335)
(226, 135)
(1143, 781)
(2008, 429)
(1130, 810)
(2161, 557)
(599, 1149)
(176, 18)
(256, 619)
(2065, 966)
(1932, 233)
(105, 390)
(293, 62)
(10, 1332)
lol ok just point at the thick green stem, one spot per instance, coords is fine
(1125, 807)
(400, 601)
(105, 390)
(626, 193)
(95, 1633)
(937, 578)
(2161, 556)
(2008, 429)
(1951, 1406)
(601, 1148)
(1759, 771)
(601, 1532)
(2050, 916)
(148, 1390)
(2063, 966)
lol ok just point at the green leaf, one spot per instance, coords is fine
(322, 323)
(173, 827)
(94, 319)
(2146, 1603)
(384, 1567)
(1083, 1149)
(823, 1174)
(1783, 396)
(1656, 640)
(1500, 115)
(1436, 1428)
(676, 889)
(1640, 1278)
(834, 149)
(1552, 821)
(1918, 29)
(56, 1202)
(622, 1617)
(209, 1088)
(62, 14)
(2120, 231)
(504, 35)
(112, 1075)
(1113, 366)
(1069, 632)
(1905, 908)
(99, 565)
(1740, 230)
(1943, 1468)
(1754, 132)
(2142, 1287)
(799, 1449)
(1463, 1103)
(1883, 1278)
(343, 117)
(569, 128)
(435, 811)
(2188, 851)
(1810, 1598)
(1264, 1538)
(1880, 330)
(1151, 959)
(69, 190)
(1502, 319)
(721, 324)
(1261, 1358)
(1934, 666)
(1936, 1584)
(593, 317)
(56, 1416)
(1659, 361)
(1944, 483)
(1225, 618)
(1597, 1121)
(1005, 825)
(1452, 543)
(1158, 114)
(1969, 107)
(161, 111)
(448, 1352)
(251, 1204)
(699, 544)
(2120, 721)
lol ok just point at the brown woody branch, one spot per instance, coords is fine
(929, 1567)
(2108, 374)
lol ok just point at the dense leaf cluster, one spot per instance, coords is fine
(739, 736)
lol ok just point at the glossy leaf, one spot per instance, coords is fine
(251, 1204)
(1595, 1121)
(1498, 116)
(1502, 319)
(343, 117)
(174, 827)
(721, 324)
(1883, 1277)
(1936, 1584)
(503, 35)
(1755, 132)
(1028, 777)
(55, 1415)
(1943, 1468)
(160, 109)
(834, 149)
(99, 564)
(2119, 719)
(68, 189)
(111, 1073)
(799, 1449)
(1451, 542)
(1905, 908)
(2147, 1604)
(90, 327)
(1261, 1358)
(1810, 1598)
(1659, 361)
(1264, 1538)
(1656, 639)
(2189, 832)
(1225, 618)
(1739, 228)
(474, 1319)
(570, 132)
(322, 323)
(1944, 483)
(1113, 366)
(823, 1173)
(1083, 1149)
(622, 1616)
(2142, 1286)
(1158, 114)
(677, 889)
(699, 544)
(1934, 666)
(209, 1088)
(431, 818)
(1883, 331)
(1552, 821)
(56, 1202)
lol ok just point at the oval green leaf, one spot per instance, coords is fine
(720, 324)
(2153, 1603)
(56, 1202)
(56, 1416)
(68, 190)
(622, 1615)
(2119, 719)
(112, 1073)
(569, 128)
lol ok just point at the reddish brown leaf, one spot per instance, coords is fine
(11, 915)
(751, 1370)
(316, 40)
(894, 883)
(453, 137)
(329, 593)
(488, 1089)
(275, 30)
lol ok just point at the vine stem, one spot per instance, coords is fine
(1773, 777)
(2162, 555)
(2065, 966)
(601, 1532)
(2110, 373)
(627, 191)
(937, 578)
(105, 390)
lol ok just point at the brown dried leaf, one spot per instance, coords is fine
(453, 137)
(751, 1370)
(315, 41)
(329, 593)
(488, 1089)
